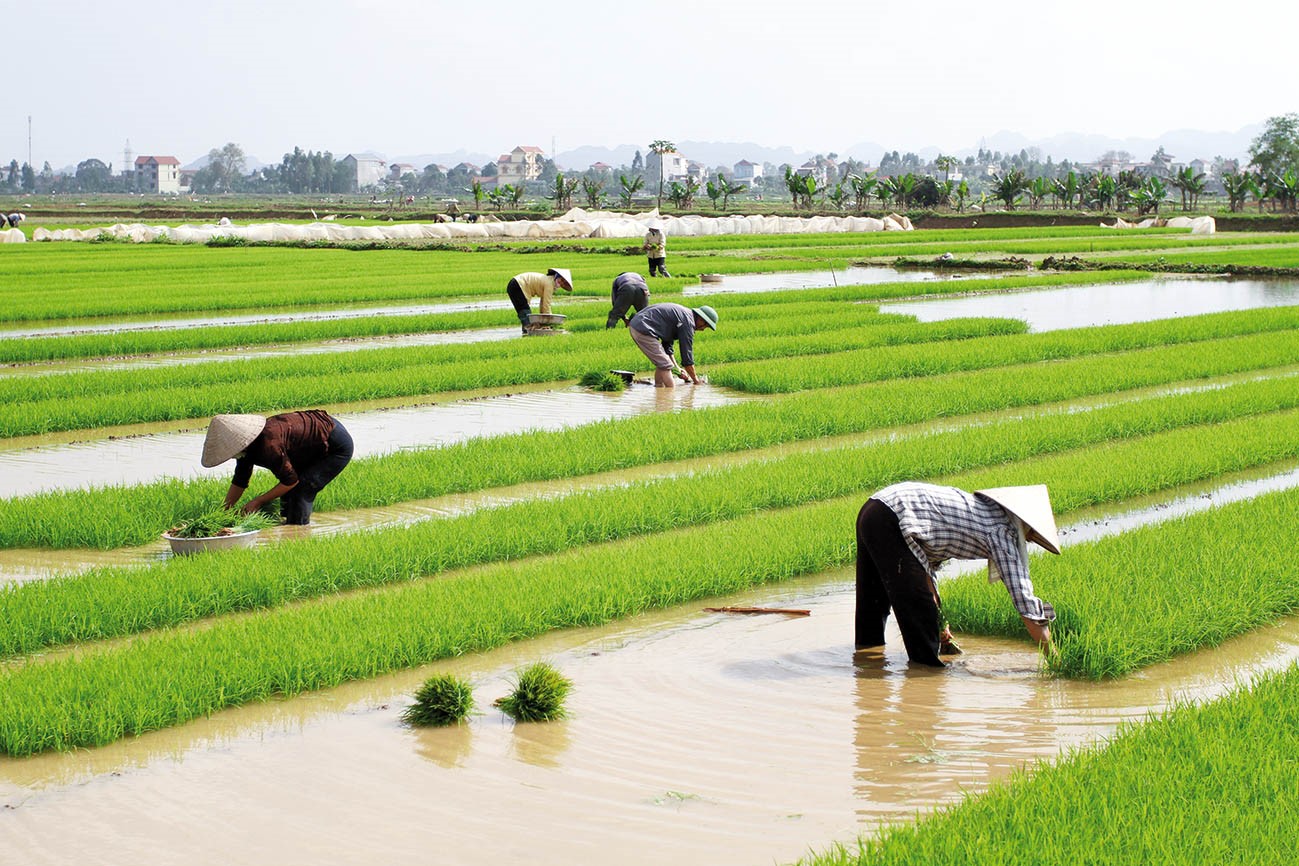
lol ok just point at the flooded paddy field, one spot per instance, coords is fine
(1083, 306)
(694, 736)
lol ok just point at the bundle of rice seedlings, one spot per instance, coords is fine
(602, 381)
(444, 699)
(221, 521)
(538, 695)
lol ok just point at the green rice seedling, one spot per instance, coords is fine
(1092, 463)
(165, 678)
(221, 521)
(444, 699)
(538, 694)
(603, 381)
(125, 515)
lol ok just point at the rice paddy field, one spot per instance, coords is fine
(500, 519)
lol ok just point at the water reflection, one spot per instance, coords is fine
(137, 459)
(1112, 304)
(853, 276)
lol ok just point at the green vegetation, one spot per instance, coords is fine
(221, 521)
(603, 381)
(538, 694)
(444, 699)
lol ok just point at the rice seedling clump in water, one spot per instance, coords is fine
(444, 699)
(538, 696)
(598, 381)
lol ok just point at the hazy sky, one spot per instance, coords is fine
(400, 77)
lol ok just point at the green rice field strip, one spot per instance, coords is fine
(1200, 784)
(133, 514)
(78, 608)
(170, 677)
(73, 401)
(85, 400)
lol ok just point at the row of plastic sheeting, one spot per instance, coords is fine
(12, 236)
(1201, 225)
(574, 224)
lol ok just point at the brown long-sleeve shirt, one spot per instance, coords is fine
(288, 440)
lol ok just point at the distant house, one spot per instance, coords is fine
(675, 166)
(159, 174)
(814, 169)
(399, 169)
(519, 165)
(601, 168)
(747, 172)
(367, 168)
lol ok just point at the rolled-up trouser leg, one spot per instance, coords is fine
(905, 583)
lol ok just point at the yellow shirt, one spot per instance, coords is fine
(536, 285)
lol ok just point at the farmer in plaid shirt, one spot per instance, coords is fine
(905, 531)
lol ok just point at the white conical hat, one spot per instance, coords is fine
(564, 274)
(227, 435)
(1032, 505)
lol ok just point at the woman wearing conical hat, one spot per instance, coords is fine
(303, 450)
(905, 531)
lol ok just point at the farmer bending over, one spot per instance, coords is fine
(523, 287)
(303, 450)
(905, 531)
(629, 290)
(658, 326)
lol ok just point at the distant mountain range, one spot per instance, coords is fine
(1183, 144)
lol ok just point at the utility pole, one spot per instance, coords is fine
(29, 142)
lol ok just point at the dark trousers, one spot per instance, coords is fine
(520, 302)
(890, 576)
(625, 299)
(296, 505)
(659, 266)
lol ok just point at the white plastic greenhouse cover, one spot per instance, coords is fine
(577, 223)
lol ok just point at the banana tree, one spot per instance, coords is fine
(862, 188)
(962, 194)
(729, 189)
(516, 194)
(1038, 189)
(477, 191)
(714, 192)
(1068, 188)
(593, 192)
(629, 188)
(1150, 195)
(1285, 186)
(563, 190)
(1008, 187)
(1239, 187)
(904, 188)
(1107, 191)
(496, 197)
(1190, 184)
(838, 194)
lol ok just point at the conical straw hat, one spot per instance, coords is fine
(1032, 505)
(227, 435)
(564, 274)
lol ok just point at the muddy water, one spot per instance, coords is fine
(136, 459)
(856, 276)
(693, 737)
(1083, 306)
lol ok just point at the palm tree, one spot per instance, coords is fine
(630, 186)
(661, 146)
(945, 164)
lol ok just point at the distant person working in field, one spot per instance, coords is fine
(629, 290)
(303, 450)
(522, 287)
(656, 328)
(905, 531)
(656, 248)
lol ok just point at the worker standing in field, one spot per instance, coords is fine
(905, 531)
(629, 290)
(656, 328)
(303, 450)
(523, 287)
(656, 249)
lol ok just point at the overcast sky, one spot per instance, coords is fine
(401, 77)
